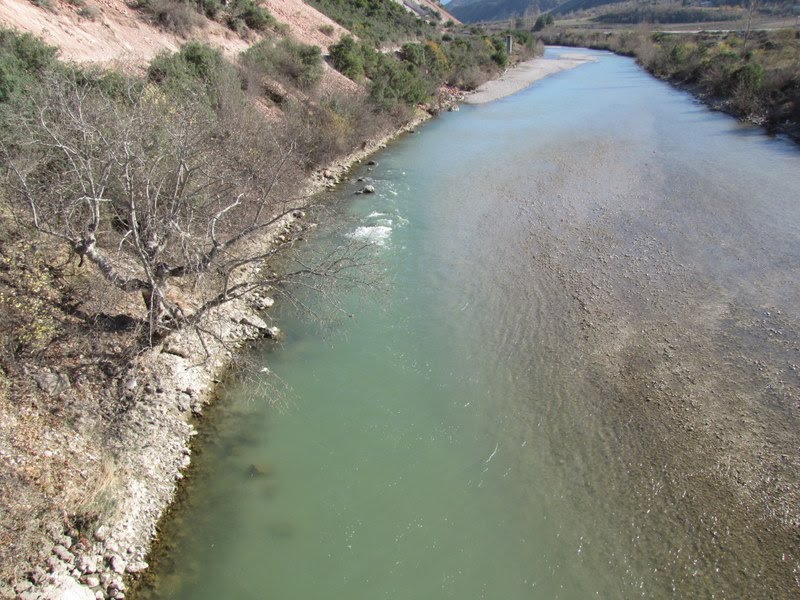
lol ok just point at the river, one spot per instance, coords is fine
(580, 381)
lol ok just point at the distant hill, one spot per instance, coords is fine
(472, 11)
(573, 5)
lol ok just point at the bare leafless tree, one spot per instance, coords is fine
(752, 9)
(149, 188)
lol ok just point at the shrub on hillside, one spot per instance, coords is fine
(198, 70)
(374, 21)
(255, 16)
(195, 61)
(179, 16)
(210, 8)
(395, 82)
(294, 62)
(347, 57)
(471, 62)
(22, 58)
(543, 21)
(429, 58)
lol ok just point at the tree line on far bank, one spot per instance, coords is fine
(754, 74)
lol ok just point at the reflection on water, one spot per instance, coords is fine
(587, 346)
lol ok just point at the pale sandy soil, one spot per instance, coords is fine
(118, 34)
(305, 22)
(523, 75)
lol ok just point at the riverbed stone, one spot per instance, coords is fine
(117, 564)
(263, 302)
(251, 320)
(88, 563)
(53, 384)
(64, 554)
(136, 565)
(64, 587)
(101, 533)
(116, 584)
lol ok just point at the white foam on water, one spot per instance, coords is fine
(375, 215)
(377, 234)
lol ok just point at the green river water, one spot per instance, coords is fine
(489, 426)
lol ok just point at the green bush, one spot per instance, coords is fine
(197, 70)
(178, 16)
(288, 60)
(473, 60)
(347, 58)
(255, 16)
(194, 61)
(429, 58)
(500, 57)
(23, 58)
(211, 8)
(46, 4)
(373, 21)
(543, 21)
(394, 82)
(89, 12)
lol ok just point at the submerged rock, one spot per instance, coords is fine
(367, 189)
(259, 470)
(281, 530)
